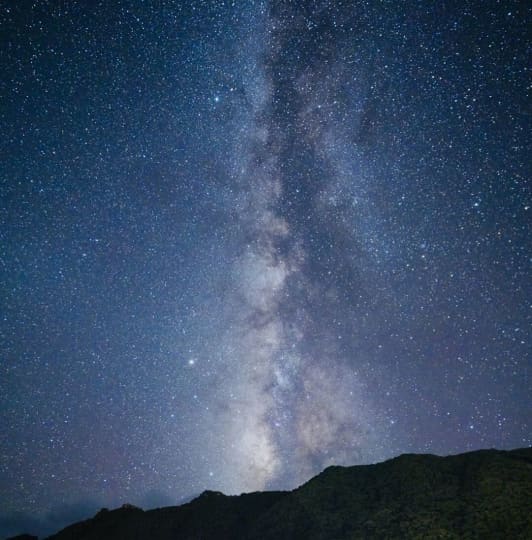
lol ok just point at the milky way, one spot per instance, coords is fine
(245, 241)
(295, 403)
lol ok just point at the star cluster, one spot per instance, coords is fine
(243, 241)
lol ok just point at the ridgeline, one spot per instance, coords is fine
(485, 494)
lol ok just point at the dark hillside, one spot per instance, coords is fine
(483, 495)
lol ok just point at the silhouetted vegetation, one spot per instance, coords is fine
(478, 495)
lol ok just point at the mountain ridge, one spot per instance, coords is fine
(481, 494)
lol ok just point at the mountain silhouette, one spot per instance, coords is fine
(485, 494)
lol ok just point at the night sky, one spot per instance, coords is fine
(243, 240)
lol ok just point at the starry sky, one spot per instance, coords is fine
(245, 240)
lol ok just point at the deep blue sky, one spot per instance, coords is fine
(242, 241)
